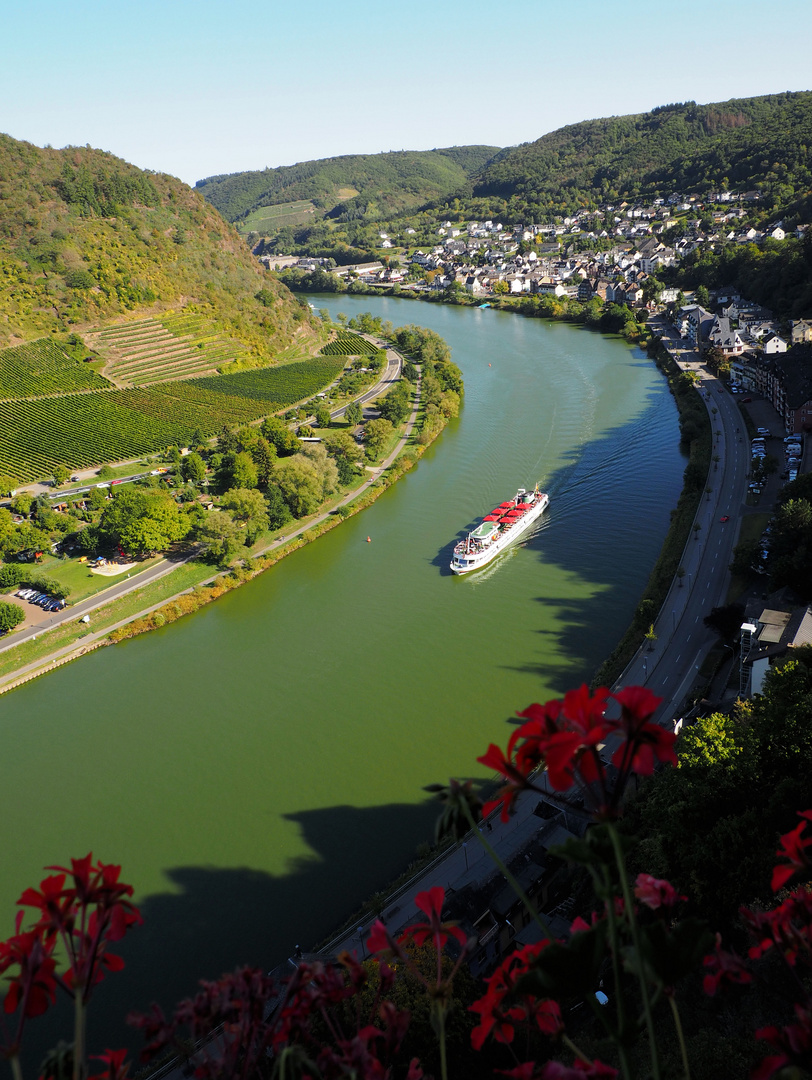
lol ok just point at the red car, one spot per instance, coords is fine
(725, 518)
(746, 401)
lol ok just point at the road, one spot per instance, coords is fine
(671, 667)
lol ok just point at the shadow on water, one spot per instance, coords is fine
(564, 543)
(219, 918)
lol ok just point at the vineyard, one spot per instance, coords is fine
(347, 344)
(148, 351)
(40, 367)
(84, 430)
(286, 384)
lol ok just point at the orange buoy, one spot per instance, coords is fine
(369, 539)
(489, 365)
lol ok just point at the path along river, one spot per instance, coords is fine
(257, 768)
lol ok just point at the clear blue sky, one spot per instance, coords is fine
(199, 87)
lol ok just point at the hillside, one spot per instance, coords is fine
(749, 142)
(371, 185)
(86, 238)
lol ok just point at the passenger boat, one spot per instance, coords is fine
(498, 529)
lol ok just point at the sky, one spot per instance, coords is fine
(197, 88)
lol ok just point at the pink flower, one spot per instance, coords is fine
(655, 893)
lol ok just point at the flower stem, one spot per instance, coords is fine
(682, 1047)
(629, 906)
(439, 1012)
(79, 1035)
(16, 1067)
(522, 895)
(567, 1041)
(614, 946)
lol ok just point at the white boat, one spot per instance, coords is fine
(498, 529)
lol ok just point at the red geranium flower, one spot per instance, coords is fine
(431, 903)
(34, 986)
(793, 849)
(723, 966)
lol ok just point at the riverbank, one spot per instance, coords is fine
(41, 657)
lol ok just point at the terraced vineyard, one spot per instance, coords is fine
(176, 346)
(83, 430)
(41, 367)
(347, 344)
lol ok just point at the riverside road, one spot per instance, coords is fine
(671, 667)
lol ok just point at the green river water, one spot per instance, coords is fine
(257, 768)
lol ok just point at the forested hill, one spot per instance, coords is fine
(372, 184)
(759, 142)
(86, 237)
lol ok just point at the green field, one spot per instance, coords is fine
(41, 367)
(269, 219)
(84, 430)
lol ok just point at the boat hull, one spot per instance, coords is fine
(466, 561)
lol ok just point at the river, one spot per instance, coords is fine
(257, 768)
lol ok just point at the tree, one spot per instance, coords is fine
(353, 414)
(378, 434)
(106, 472)
(193, 469)
(142, 521)
(264, 455)
(244, 473)
(725, 621)
(396, 405)
(298, 479)
(60, 475)
(322, 417)
(278, 433)
(220, 537)
(249, 509)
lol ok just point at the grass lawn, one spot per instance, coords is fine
(79, 578)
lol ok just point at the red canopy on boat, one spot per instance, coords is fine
(491, 517)
(504, 505)
(514, 513)
(523, 506)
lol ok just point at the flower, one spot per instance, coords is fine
(34, 986)
(500, 1009)
(655, 893)
(723, 966)
(794, 1041)
(117, 1066)
(793, 849)
(431, 903)
(643, 741)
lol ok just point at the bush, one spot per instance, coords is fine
(10, 616)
